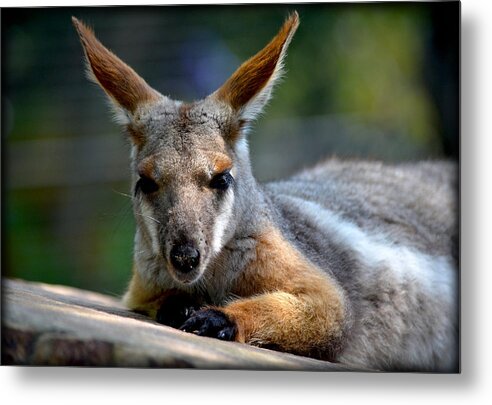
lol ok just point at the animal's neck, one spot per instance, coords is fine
(252, 207)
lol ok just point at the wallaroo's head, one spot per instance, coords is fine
(188, 159)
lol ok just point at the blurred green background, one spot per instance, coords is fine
(376, 80)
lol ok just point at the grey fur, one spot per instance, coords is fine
(394, 324)
(387, 234)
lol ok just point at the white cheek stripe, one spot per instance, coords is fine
(436, 274)
(221, 222)
(150, 224)
(242, 148)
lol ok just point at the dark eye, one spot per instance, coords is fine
(221, 181)
(146, 185)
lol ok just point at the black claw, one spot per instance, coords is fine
(176, 310)
(211, 323)
(227, 334)
(189, 326)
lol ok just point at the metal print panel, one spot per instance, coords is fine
(283, 192)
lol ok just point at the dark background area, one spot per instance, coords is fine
(375, 80)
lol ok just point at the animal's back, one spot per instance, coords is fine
(388, 234)
(413, 204)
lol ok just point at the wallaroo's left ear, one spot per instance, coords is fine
(250, 87)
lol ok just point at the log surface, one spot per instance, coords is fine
(53, 325)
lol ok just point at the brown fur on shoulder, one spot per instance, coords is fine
(284, 288)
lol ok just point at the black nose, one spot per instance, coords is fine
(185, 258)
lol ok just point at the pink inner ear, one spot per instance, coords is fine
(256, 73)
(116, 78)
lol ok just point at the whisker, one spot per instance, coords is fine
(148, 216)
(123, 194)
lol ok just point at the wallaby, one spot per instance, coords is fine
(351, 261)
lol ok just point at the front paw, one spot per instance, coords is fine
(211, 323)
(176, 309)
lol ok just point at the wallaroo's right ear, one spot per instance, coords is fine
(250, 87)
(120, 82)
